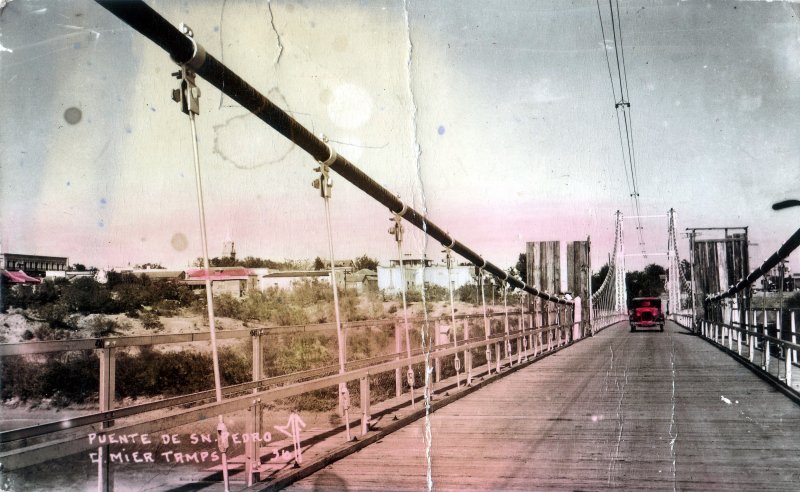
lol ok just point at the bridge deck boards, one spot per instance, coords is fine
(601, 414)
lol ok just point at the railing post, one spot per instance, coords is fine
(786, 354)
(487, 329)
(557, 327)
(794, 337)
(467, 354)
(532, 336)
(507, 341)
(560, 327)
(105, 476)
(437, 361)
(253, 449)
(520, 339)
(717, 332)
(398, 347)
(730, 327)
(365, 397)
(750, 342)
(765, 345)
(739, 334)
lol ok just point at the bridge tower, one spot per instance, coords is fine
(621, 299)
(673, 267)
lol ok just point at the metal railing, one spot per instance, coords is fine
(106, 349)
(749, 334)
(31, 445)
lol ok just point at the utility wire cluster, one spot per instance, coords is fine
(622, 109)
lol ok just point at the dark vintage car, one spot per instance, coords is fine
(646, 312)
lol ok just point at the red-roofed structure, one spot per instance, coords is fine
(19, 277)
(194, 275)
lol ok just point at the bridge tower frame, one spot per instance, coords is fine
(673, 267)
(621, 291)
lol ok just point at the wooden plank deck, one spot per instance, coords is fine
(622, 410)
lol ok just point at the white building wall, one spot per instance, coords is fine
(389, 278)
(288, 282)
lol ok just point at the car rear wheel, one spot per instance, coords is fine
(633, 328)
(661, 327)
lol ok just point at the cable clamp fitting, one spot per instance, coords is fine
(188, 94)
(403, 210)
(324, 183)
(198, 52)
(332, 155)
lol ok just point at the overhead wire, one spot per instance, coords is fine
(622, 104)
(614, 93)
(628, 119)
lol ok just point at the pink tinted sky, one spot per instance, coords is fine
(509, 102)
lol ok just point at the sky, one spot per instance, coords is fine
(496, 118)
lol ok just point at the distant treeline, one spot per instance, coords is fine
(54, 301)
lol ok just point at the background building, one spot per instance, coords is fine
(33, 265)
(286, 280)
(417, 272)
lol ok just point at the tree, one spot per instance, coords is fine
(319, 264)
(647, 283)
(149, 266)
(86, 295)
(522, 267)
(599, 277)
(79, 267)
(225, 261)
(512, 272)
(364, 262)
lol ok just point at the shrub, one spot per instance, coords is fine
(100, 326)
(349, 306)
(366, 342)
(310, 292)
(227, 306)
(167, 307)
(86, 295)
(412, 295)
(435, 293)
(286, 315)
(151, 321)
(304, 351)
(54, 314)
(152, 373)
(69, 377)
(261, 304)
(468, 293)
(46, 332)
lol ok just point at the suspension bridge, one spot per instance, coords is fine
(549, 392)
